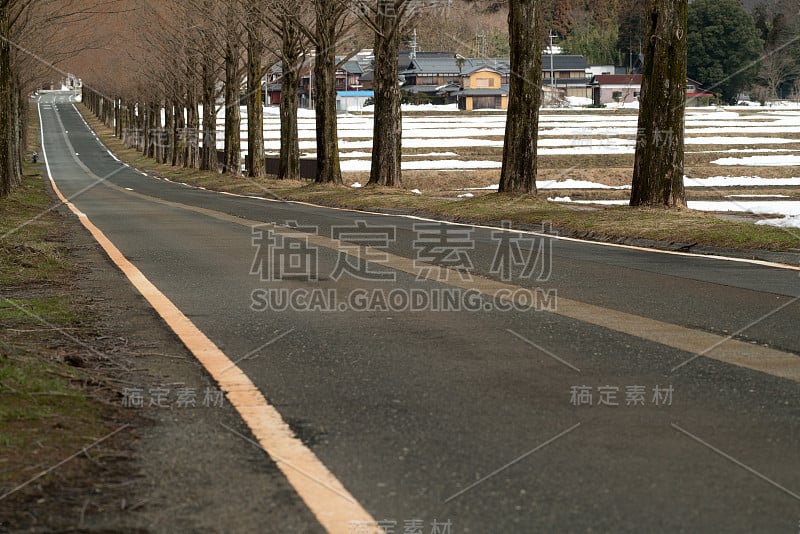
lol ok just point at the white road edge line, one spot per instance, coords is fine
(327, 498)
(762, 263)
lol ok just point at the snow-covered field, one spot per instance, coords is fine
(439, 139)
(560, 134)
(790, 209)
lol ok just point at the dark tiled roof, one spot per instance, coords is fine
(564, 62)
(446, 63)
(500, 69)
(352, 66)
(503, 90)
(618, 79)
(420, 88)
(563, 82)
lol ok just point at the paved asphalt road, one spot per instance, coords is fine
(410, 409)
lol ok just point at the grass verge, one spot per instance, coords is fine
(614, 223)
(46, 412)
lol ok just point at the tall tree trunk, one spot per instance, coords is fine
(387, 120)
(154, 128)
(518, 174)
(167, 137)
(8, 178)
(191, 158)
(658, 164)
(233, 116)
(208, 152)
(125, 127)
(19, 105)
(139, 121)
(117, 118)
(328, 169)
(255, 109)
(178, 137)
(130, 125)
(291, 56)
(144, 121)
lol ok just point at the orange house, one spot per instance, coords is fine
(482, 88)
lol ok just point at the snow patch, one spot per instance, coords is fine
(579, 101)
(738, 181)
(554, 184)
(757, 196)
(790, 221)
(362, 165)
(761, 161)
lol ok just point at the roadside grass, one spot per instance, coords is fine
(602, 223)
(606, 223)
(45, 412)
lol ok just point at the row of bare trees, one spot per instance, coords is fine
(202, 51)
(31, 46)
(210, 49)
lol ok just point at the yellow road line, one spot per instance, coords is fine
(732, 351)
(322, 492)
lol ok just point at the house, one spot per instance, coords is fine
(427, 72)
(696, 95)
(368, 80)
(620, 88)
(348, 76)
(430, 72)
(596, 70)
(348, 79)
(272, 85)
(625, 88)
(567, 74)
(483, 88)
(352, 100)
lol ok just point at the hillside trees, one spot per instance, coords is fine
(593, 39)
(779, 28)
(725, 46)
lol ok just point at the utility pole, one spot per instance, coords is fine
(552, 69)
(480, 44)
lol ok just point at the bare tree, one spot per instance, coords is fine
(518, 173)
(292, 26)
(330, 18)
(777, 67)
(208, 92)
(10, 177)
(331, 25)
(387, 18)
(30, 32)
(796, 90)
(233, 79)
(254, 24)
(658, 163)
